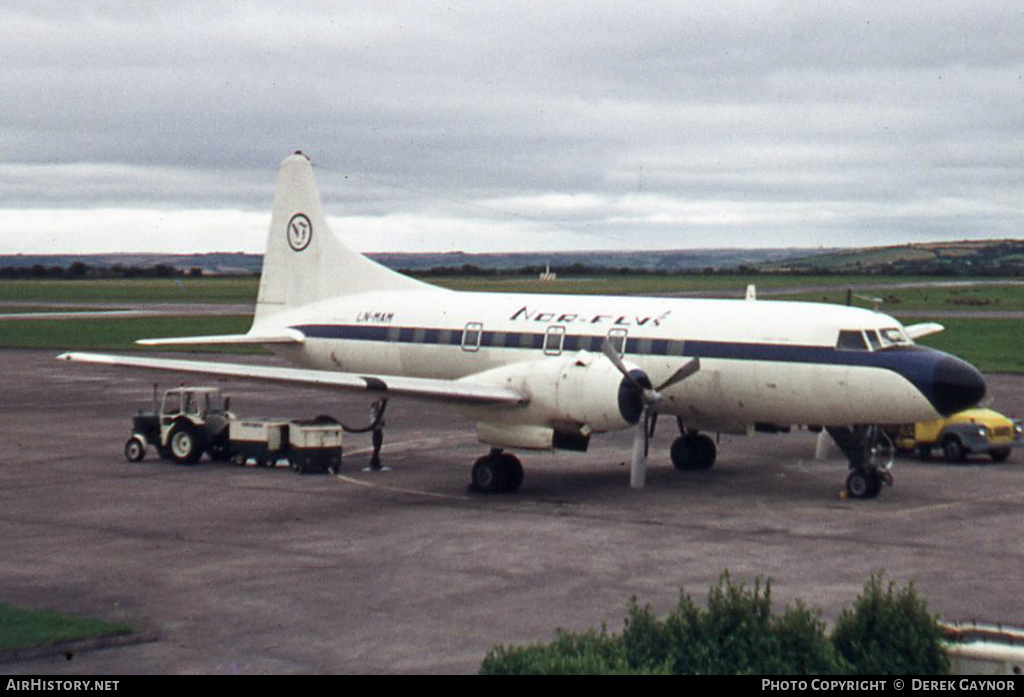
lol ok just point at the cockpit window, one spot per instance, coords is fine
(873, 339)
(851, 340)
(892, 337)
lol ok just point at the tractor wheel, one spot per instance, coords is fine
(184, 444)
(134, 449)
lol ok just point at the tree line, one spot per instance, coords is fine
(80, 270)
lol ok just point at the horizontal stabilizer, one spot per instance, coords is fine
(916, 331)
(288, 336)
(386, 385)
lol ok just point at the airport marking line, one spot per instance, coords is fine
(400, 490)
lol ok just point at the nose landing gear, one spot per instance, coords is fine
(871, 453)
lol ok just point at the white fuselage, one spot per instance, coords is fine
(761, 361)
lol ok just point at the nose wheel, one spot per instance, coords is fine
(863, 484)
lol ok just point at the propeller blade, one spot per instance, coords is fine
(688, 369)
(638, 468)
(611, 354)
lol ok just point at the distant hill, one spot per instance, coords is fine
(219, 263)
(985, 257)
(668, 261)
(973, 257)
(241, 264)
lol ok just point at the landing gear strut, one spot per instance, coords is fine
(870, 452)
(497, 472)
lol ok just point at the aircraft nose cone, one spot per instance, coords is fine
(956, 386)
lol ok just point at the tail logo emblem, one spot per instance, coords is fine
(300, 232)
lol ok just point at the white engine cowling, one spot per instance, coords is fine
(582, 393)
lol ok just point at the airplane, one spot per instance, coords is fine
(548, 372)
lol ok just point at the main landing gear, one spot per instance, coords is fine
(692, 450)
(870, 452)
(497, 472)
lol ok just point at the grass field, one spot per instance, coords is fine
(992, 345)
(1006, 298)
(21, 628)
(120, 333)
(243, 289)
(712, 285)
(143, 290)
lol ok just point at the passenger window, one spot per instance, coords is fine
(873, 339)
(471, 336)
(553, 340)
(851, 340)
(617, 338)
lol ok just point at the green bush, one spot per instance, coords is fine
(590, 653)
(890, 632)
(736, 633)
(886, 632)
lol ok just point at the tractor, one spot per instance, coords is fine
(190, 421)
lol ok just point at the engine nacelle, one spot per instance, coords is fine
(583, 393)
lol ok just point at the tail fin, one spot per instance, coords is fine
(304, 261)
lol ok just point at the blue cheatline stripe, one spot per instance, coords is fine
(947, 382)
(898, 359)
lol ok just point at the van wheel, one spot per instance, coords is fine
(953, 450)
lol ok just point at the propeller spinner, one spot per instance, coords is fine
(647, 400)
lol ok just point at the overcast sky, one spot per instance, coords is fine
(512, 126)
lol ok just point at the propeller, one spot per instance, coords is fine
(649, 398)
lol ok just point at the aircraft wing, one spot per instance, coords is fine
(386, 385)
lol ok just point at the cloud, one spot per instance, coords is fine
(654, 125)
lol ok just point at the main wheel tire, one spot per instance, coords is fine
(682, 458)
(694, 451)
(486, 475)
(705, 450)
(184, 444)
(953, 450)
(134, 449)
(863, 484)
(512, 472)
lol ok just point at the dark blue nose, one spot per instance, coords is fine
(956, 385)
(949, 384)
